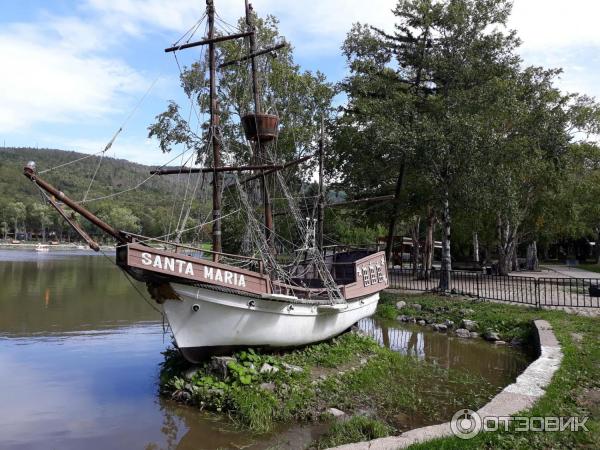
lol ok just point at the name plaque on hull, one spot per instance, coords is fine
(196, 269)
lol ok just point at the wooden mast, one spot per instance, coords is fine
(321, 201)
(214, 123)
(259, 150)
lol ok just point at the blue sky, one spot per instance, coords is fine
(74, 70)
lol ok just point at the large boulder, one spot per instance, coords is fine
(401, 304)
(416, 307)
(470, 325)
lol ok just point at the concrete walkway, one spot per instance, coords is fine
(573, 272)
(520, 395)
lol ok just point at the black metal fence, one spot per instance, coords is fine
(566, 292)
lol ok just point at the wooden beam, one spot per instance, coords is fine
(252, 55)
(208, 41)
(29, 172)
(216, 169)
(383, 198)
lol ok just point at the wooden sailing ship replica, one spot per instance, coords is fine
(225, 301)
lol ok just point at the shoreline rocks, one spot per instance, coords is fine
(463, 333)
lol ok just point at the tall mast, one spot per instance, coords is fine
(260, 154)
(213, 133)
(321, 201)
(252, 37)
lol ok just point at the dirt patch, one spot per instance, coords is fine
(590, 400)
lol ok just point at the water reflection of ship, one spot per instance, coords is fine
(498, 365)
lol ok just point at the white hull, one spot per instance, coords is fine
(208, 320)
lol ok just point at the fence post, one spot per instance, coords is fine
(538, 295)
(477, 282)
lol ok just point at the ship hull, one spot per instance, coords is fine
(206, 321)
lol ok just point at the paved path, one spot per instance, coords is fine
(573, 272)
(557, 271)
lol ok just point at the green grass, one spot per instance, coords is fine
(589, 267)
(350, 372)
(355, 429)
(567, 395)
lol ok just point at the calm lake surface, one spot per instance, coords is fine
(80, 353)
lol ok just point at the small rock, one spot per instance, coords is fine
(467, 312)
(402, 318)
(474, 334)
(268, 368)
(337, 413)
(290, 368)
(416, 306)
(516, 342)
(182, 396)
(500, 342)
(491, 336)
(218, 366)
(363, 361)
(449, 323)
(267, 386)
(442, 328)
(401, 304)
(421, 322)
(469, 325)
(463, 333)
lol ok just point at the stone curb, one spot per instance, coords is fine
(522, 394)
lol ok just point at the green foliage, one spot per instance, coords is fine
(147, 210)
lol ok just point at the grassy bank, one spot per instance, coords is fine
(574, 390)
(380, 391)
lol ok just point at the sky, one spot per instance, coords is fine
(74, 72)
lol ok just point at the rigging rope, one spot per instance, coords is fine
(110, 143)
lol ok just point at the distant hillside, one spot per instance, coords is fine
(150, 203)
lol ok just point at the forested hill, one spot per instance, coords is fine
(151, 204)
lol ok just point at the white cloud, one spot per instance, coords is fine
(556, 24)
(312, 25)
(51, 75)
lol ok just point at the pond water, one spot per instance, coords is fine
(80, 353)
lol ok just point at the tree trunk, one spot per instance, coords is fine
(532, 257)
(446, 255)
(598, 246)
(395, 211)
(429, 244)
(415, 245)
(515, 258)
(506, 236)
(475, 247)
